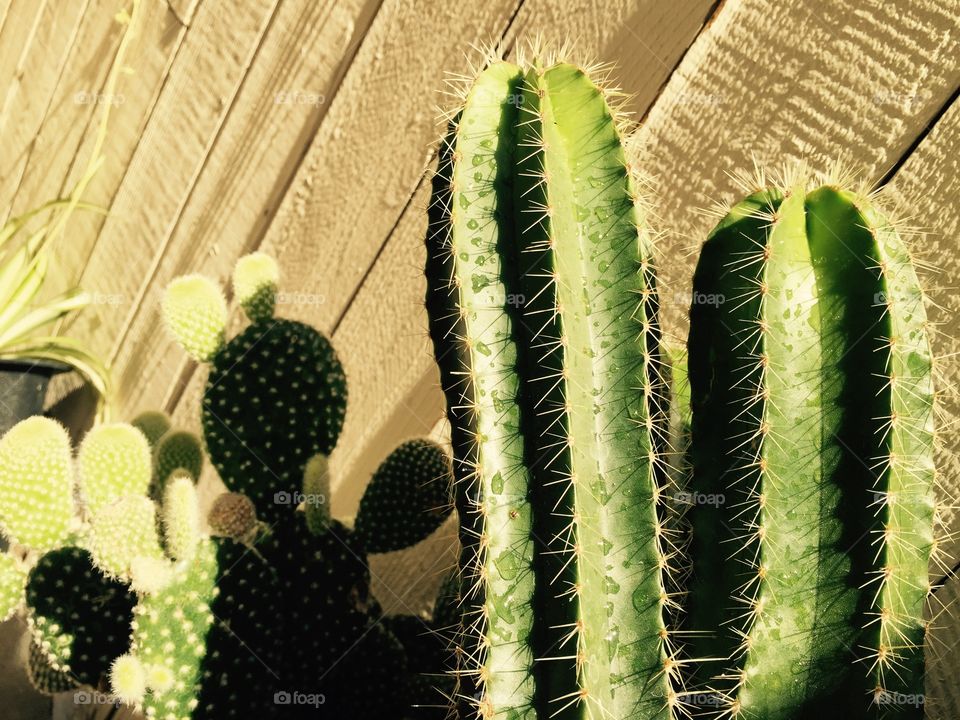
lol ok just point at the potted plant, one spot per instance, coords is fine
(30, 349)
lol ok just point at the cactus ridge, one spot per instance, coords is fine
(542, 301)
(812, 414)
(473, 333)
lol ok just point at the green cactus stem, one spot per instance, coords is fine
(181, 518)
(123, 533)
(542, 297)
(36, 484)
(473, 335)
(407, 499)
(812, 418)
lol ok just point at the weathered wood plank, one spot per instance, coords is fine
(274, 118)
(35, 44)
(942, 692)
(55, 168)
(196, 97)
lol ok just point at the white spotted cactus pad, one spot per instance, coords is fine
(176, 450)
(275, 396)
(123, 532)
(407, 499)
(13, 580)
(153, 424)
(255, 280)
(195, 311)
(36, 484)
(113, 462)
(181, 518)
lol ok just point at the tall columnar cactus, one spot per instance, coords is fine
(543, 307)
(810, 374)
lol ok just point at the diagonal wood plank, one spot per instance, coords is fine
(198, 92)
(35, 44)
(274, 117)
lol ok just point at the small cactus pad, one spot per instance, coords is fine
(407, 499)
(36, 484)
(113, 462)
(170, 630)
(43, 677)
(13, 580)
(233, 515)
(255, 278)
(181, 517)
(79, 619)
(195, 311)
(153, 424)
(177, 449)
(275, 397)
(316, 491)
(122, 532)
(245, 644)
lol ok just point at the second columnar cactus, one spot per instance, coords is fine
(812, 400)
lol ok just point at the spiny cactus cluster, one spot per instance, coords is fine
(543, 310)
(800, 590)
(273, 408)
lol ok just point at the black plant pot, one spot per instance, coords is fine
(23, 387)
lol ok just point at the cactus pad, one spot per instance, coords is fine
(12, 584)
(36, 484)
(177, 449)
(276, 396)
(79, 620)
(122, 532)
(255, 278)
(232, 515)
(195, 311)
(113, 462)
(407, 499)
(153, 424)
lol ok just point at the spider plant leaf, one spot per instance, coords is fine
(32, 321)
(23, 292)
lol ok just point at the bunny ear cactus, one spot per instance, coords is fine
(12, 584)
(176, 450)
(79, 620)
(542, 301)
(407, 499)
(276, 393)
(153, 424)
(812, 416)
(36, 484)
(113, 462)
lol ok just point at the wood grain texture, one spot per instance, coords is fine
(35, 44)
(54, 168)
(273, 119)
(198, 92)
(942, 692)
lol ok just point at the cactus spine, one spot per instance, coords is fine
(812, 416)
(556, 408)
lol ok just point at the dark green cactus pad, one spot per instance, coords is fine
(276, 395)
(366, 680)
(43, 677)
(407, 499)
(245, 642)
(177, 449)
(80, 618)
